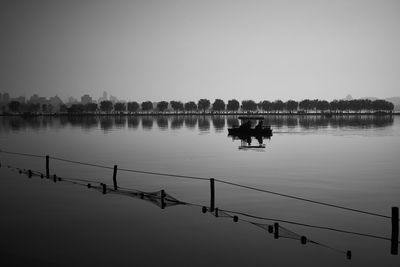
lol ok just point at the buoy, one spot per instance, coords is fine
(89, 185)
(216, 212)
(235, 218)
(29, 173)
(348, 254)
(270, 229)
(41, 175)
(303, 240)
(204, 209)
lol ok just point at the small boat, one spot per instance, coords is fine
(245, 128)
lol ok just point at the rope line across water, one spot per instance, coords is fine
(204, 178)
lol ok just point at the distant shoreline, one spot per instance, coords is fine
(200, 114)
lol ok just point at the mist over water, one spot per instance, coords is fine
(348, 160)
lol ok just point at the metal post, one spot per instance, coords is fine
(276, 230)
(47, 166)
(115, 177)
(395, 231)
(163, 199)
(212, 191)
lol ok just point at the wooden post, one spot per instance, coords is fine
(395, 231)
(163, 199)
(104, 188)
(276, 230)
(47, 166)
(115, 177)
(212, 191)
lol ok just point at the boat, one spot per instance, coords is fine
(245, 128)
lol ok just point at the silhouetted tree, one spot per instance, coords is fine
(76, 108)
(147, 106)
(334, 106)
(322, 105)
(31, 107)
(190, 106)
(343, 105)
(233, 105)
(119, 106)
(278, 106)
(63, 108)
(133, 106)
(177, 106)
(91, 107)
(313, 105)
(291, 105)
(249, 105)
(305, 105)
(203, 104)
(14, 106)
(218, 105)
(106, 106)
(50, 108)
(162, 106)
(382, 105)
(266, 105)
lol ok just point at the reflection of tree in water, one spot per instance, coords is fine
(292, 121)
(311, 122)
(162, 122)
(190, 122)
(120, 121)
(133, 122)
(85, 122)
(177, 122)
(16, 124)
(218, 123)
(275, 121)
(361, 121)
(232, 121)
(106, 123)
(35, 123)
(147, 123)
(204, 123)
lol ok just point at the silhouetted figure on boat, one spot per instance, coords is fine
(245, 126)
(259, 126)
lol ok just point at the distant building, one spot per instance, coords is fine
(20, 99)
(113, 99)
(104, 97)
(56, 102)
(71, 101)
(85, 99)
(6, 97)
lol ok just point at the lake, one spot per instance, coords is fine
(348, 161)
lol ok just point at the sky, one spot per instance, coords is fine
(187, 50)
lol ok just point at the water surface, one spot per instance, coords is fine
(350, 161)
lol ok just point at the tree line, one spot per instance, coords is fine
(218, 106)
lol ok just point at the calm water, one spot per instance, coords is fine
(350, 161)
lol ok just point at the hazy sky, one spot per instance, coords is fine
(187, 50)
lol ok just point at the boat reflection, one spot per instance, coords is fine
(245, 132)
